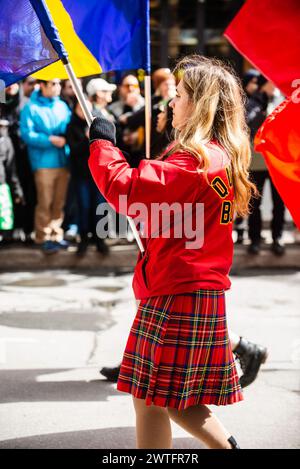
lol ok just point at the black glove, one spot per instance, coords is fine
(102, 128)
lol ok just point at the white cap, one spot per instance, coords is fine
(98, 84)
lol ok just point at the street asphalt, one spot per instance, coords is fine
(58, 328)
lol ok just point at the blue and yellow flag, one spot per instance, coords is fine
(97, 35)
(26, 45)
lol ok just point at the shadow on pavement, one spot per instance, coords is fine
(23, 386)
(106, 438)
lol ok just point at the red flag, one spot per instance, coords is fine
(278, 139)
(267, 34)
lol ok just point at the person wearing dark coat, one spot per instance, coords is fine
(87, 193)
(256, 112)
(10, 187)
(15, 97)
(249, 82)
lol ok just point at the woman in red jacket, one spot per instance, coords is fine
(178, 357)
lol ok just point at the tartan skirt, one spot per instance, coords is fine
(178, 352)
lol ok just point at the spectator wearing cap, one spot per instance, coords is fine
(256, 111)
(100, 94)
(44, 120)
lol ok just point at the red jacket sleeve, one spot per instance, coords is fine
(153, 181)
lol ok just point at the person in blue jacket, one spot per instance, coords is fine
(44, 120)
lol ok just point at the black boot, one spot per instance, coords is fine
(111, 374)
(233, 443)
(251, 357)
(254, 248)
(102, 247)
(83, 245)
(278, 247)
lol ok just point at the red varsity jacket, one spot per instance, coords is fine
(186, 216)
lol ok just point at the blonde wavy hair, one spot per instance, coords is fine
(219, 114)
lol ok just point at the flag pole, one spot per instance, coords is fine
(78, 92)
(42, 11)
(89, 118)
(148, 113)
(147, 83)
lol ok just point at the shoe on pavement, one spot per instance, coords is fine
(233, 443)
(277, 247)
(251, 356)
(49, 247)
(254, 248)
(63, 244)
(71, 233)
(102, 247)
(111, 374)
(82, 247)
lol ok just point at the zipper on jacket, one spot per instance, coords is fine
(146, 257)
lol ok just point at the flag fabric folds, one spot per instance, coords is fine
(97, 35)
(24, 45)
(114, 31)
(40, 7)
(267, 33)
(278, 139)
(101, 35)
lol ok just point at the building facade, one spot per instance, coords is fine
(181, 27)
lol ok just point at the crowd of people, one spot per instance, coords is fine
(47, 195)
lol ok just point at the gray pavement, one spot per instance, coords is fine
(58, 328)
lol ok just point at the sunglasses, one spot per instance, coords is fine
(130, 86)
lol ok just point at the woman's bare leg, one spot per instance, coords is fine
(200, 422)
(153, 426)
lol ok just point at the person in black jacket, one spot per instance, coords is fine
(15, 97)
(87, 193)
(256, 111)
(249, 82)
(10, 187)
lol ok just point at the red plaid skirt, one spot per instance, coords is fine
(178, 352)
